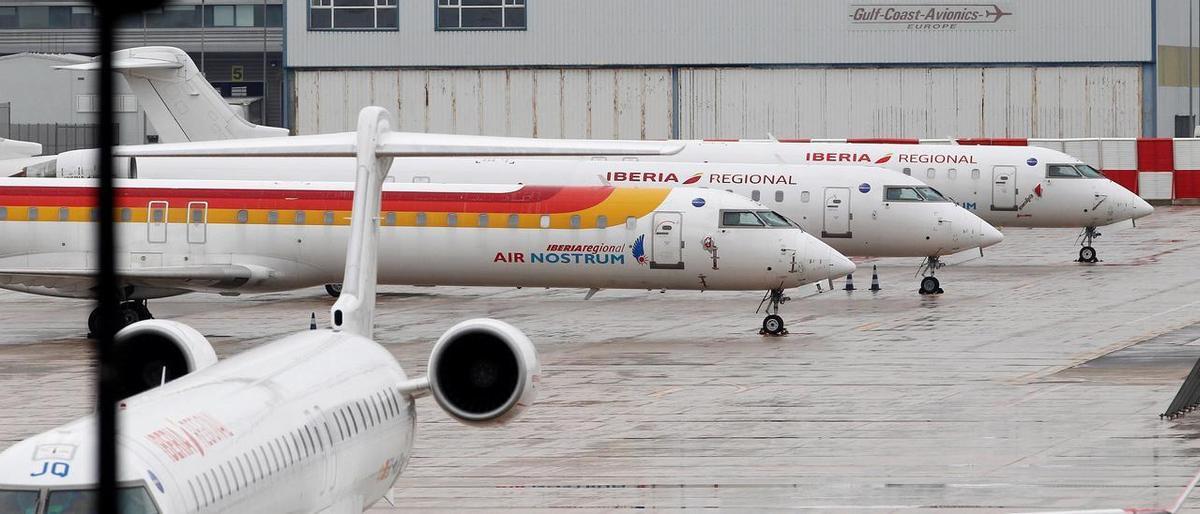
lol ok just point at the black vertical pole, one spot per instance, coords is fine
(106, 283)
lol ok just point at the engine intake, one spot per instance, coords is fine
(484, 372)
(152, 352)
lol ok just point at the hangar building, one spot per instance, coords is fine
(747, 68)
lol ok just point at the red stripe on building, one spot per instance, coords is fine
(1127, 178)
(1187, 184)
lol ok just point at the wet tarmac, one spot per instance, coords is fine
(1033, 383)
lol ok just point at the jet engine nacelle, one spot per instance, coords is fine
(153, 352)
(484, 372)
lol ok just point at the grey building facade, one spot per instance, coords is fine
(237, 43)
(743, 68)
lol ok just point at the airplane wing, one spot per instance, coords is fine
(182, 278)
(401, 144)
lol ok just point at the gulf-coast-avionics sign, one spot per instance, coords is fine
(924, 16)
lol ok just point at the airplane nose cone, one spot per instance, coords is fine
(1141, 208)
(988, 235)
(839, 265)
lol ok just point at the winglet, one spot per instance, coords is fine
(354, 311)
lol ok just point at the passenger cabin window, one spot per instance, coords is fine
(514, 221)
(32, 212)
(3, 213)
(902, 194)
(544, 221)
(975, 174)
(452, 219)
(804, 196)
(328, 217)
(126, 214)
(601, 221)
(272, 217)
(740, 219)
(390, 219)
(779, 196)
(908, 171)
(576, 221)
(1062, 171)
(952, 174)
(754, 195)
(930, 172)
(64, 214)
(483, 220)
(299, 217)
(422, 219)
(243, 216)
(631, 223)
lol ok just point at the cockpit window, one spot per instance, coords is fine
(774, 219)
(740, 219)
(1088, 171)
(18, 502)
(931, 194)
(130, 500)
(1062, 171)
(902, 194)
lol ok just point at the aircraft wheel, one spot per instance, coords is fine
(930, 285)
(142, 311)
(772, 325)
(334, 290)
(94, 323)
(1087, 254)
(129, 315)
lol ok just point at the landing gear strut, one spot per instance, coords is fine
(772, 325)
(130, 312)
(929, 283)
(1087, 253)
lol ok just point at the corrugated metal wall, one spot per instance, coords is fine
(739, 32)
(911, 102)
(568, 103)
(1040, 102)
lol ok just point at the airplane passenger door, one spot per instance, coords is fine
(668, 241)
(837, 212)
(156, 222)
(197, 222)
(1004, 188)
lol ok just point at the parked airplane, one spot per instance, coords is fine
(175, 95)
(1008, 186)
(233, 237)
(317, 422)
(864, 211)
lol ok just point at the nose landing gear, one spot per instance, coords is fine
(930, 283)
(129, 313)
(1088, 253)
(772, 325)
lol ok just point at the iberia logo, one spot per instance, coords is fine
(883, 159)
(639, 249)
(693, 179)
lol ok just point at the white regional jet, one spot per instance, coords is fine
(1009, 186)
(318, 422)
(859, 210)
(233, 237)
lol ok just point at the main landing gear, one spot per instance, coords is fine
(129, 313)
(772, 325)
(334, 290)
(1087, 253)
(929, 283)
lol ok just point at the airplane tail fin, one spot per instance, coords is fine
(180, 103)
(354, 310)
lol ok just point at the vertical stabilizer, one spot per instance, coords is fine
(180, 103)
(354, 310)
